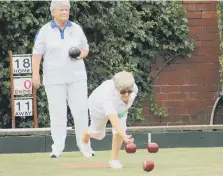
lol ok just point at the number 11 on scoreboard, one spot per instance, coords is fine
(23, 107)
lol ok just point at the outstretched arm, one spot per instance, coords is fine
(115, 123)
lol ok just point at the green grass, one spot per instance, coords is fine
(168, 162)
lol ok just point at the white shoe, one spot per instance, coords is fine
(85, 150)
(92, 151)
(52, 155)
(115, 164)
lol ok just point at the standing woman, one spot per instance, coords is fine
(64, 78)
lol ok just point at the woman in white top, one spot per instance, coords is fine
(111, 101)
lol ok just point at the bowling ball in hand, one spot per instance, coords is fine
(74, 52)
(130, 148)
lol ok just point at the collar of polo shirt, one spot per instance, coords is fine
(53, 24)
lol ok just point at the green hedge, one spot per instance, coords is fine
(122, 35)
(220, 27)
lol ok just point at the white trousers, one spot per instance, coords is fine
(59, 96)
(98, 126)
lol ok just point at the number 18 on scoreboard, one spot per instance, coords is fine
(22, 64)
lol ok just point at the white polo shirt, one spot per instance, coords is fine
(53, 44)
(105, 100)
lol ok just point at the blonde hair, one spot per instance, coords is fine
(55, 3)
(123, 80)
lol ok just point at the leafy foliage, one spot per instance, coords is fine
(220, 26)
(122, 36)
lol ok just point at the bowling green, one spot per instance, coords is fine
(168, 162)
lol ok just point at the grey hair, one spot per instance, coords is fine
(55, 3)
(123, 80)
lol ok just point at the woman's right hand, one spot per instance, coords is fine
(128, 139)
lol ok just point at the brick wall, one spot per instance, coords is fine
(188, 88)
